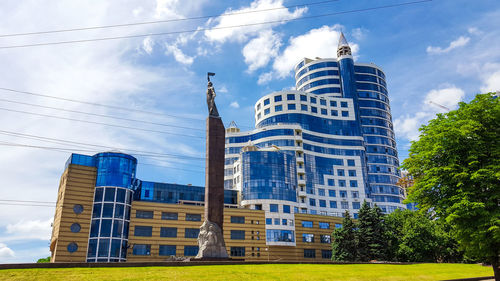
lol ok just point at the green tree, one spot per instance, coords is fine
(372, 243)
(456, 168)
(344, 244)
(43, 260)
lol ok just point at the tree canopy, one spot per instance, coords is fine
(456, 169)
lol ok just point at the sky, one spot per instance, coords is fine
(434, 52)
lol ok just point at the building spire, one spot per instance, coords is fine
(343, 48)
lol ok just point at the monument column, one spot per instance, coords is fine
(211, 239)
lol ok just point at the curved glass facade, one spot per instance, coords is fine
(115, 169)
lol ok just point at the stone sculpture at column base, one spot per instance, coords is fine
(211, 242)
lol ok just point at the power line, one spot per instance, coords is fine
(101, 115)
(213, 28)
(165, 21)
(29, 205)
(26, 201)
(99, 123)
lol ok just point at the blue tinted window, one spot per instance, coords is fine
(322, 102)
(269, 221)
(303, 107)
(109, 194)
(278, 98)
(328, 90)
(115, 248)
(167, 250)
(190, 251)
(322, 203)
(284, 221)
(291, 106)
(107, 211)
(314, 109)
(276, 221)
(345, 113)
(103, 248)
(356, 205)
(324, 225)
(321, 192)
(276, 235)
(286, 209)
(343, 193)
(343, 104)
(341, 183)
(331, 182)
(105, 228)
(238, 234)
(338, 225)
(144, 214)
(94, 228)
(125, 229)
(312, 202)
(115, 169)
(352, 173)
(98, 194)
(235, 219)
(290, 96)
(333, 103)
(92, 251)
(331, 193)
(191, 233)
(334, 113)
(303, 97)
(340, 173)
(142, 250)
(266, 111)
(333, 204)
(144, 231)
(278, 108)
(72, 247)
(119, 209)
(193, 217)
(273, 208)
(120, 195)
(324, 111)
(96, 212)
(355, 215)
(117, 228)
(75, 227)
(353, 183)
(308, 224)
(308, 238)
(168, 232)
(313, 100)
(266, 101)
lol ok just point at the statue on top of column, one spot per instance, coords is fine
(212, 108)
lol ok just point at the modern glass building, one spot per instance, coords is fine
(335, 128)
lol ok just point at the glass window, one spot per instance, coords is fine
(278, 98)
(284, 222)
(107, 211)
(191, 233)
(120, 195)
(72, 247)
(273, 208)
(105, 228)
(119, 209)
(344, 205)
(235, 219)
(353, 183)
(266, 102)
(333, 204)
(92, 251)
(269, 221)
(322, 203)
(303, 97)
(340, 173)
(345, 113)
(350, 162)
(313, 100)
(334, 113)
(308, 237)
(168, 232)
(103, 248)
(117, 228)
(167, 250)
(326, 239)
(75, 227)
(94, 228)
(324, 111)
(258, 106)
(109, 194)
(312, 202)
(343, 104)
(352, 173)
(308, 224)
(331, 193)
(291, 106)
(238, 234)
(322, 101)
(338, 225)
(333, 103)
(96, 212)
(326, 254)
(169, 216)
(321, 192)
(286, 209)
(342, 183)
(331, 182)
(324, 225)
(98, 194)
(356, 205)
(142, 250)
(278, 108)
(267, 111)
(190, 251)
(78, 209)
(314, 109)
(144, 231)
(277, 235)
(303, 107)
(193, 217)
(125, 229)
(343, 194)
(355, 215)
(290, 96)
(276, 221)
(115, 248)
(309, 253)
(144, 214)
(237, 251)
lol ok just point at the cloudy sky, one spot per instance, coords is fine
(145, 95)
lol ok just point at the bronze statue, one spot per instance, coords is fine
(212, 108)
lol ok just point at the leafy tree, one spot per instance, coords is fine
(344, 245)
(372, 243)
(43, 260)
(456, 169)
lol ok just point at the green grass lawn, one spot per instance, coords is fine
(257, 272)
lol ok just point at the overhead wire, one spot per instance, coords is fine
(213, 28)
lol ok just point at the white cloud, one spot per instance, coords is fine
(407, 126)
(491, 82)
(358, 33)
(264, 78)
(30, 229)
(167, 9)
(474, 31)
(178, 54)
(320, 42)
(241, 34)
(459, 42)
(147, 45)
(235, 104)
(259, 51)
(223, 89)
(5, 252)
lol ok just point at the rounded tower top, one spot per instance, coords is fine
(343, 49)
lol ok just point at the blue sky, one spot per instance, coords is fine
(442, 51)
